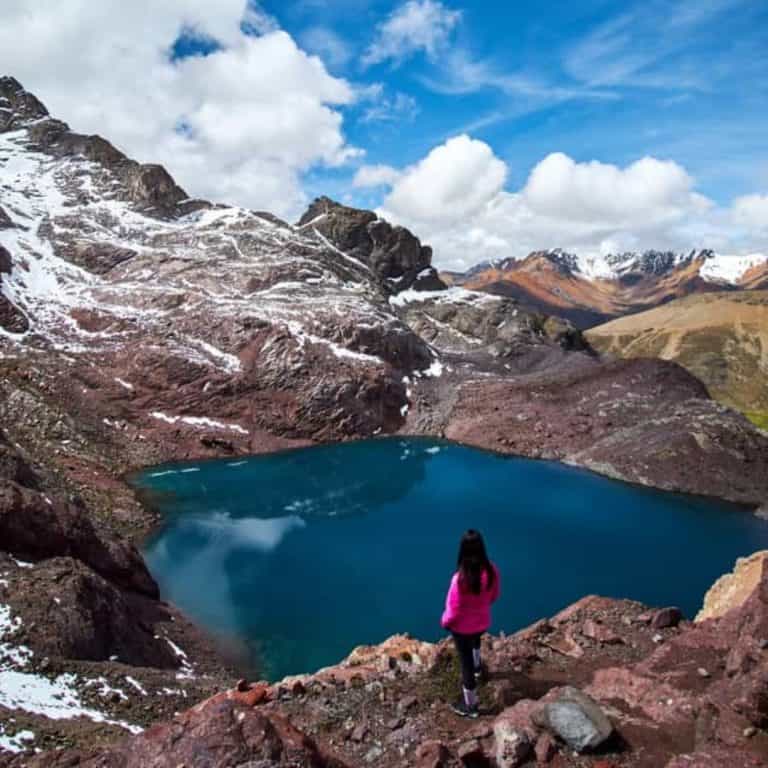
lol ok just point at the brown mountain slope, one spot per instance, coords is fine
(721, 338)
(756, 278)
(550, 282)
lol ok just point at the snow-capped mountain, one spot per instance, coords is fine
(589, 288)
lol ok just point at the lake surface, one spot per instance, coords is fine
(297, 557)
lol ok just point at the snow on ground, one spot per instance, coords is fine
(56, 698)
(199, 422)
(18, 742)
(136, 684)
(436, 369)
(187, 670)
(451, 295)
(22, 689)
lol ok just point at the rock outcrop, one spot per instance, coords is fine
(393, 253)
(732, 590)
(558, 693)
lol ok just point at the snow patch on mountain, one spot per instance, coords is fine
(23, 689)
(730, 269)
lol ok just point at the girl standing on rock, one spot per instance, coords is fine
(474, 587)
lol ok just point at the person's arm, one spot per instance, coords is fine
(451, 611)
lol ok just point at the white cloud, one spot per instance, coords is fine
(600, 192)
(401, 108)
(751, 211)
(375, 176)
(455, 179)
(256, 113)
(417, 25)
(455, 200)
(329, 46)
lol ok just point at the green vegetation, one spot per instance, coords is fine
(759, 418)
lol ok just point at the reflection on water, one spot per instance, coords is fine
(302, 555)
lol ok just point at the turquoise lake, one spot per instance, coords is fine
(294, 558)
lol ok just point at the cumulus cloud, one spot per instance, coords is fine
(239, 125)
(455, 199)
(456, 179)
(415, 26)
(600, 192)
(375, 176)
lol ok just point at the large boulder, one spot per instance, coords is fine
(575, 718)
(17, 106)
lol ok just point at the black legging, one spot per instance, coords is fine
(465, 644)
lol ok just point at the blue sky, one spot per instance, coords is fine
(489, 128)
(612, 81)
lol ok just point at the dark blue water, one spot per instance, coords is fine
(302, 555)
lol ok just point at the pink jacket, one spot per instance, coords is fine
(467, 613)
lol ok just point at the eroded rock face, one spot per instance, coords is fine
(80, 615)
(35, 526)
(394, 254)
(96, 257)
(732, 590)
(17, 106)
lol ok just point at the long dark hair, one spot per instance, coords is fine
(473, 562)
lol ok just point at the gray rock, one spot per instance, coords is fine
(575, 718)
(513, 747)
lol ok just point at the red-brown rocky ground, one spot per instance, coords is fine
(676, 693)
(137, 327)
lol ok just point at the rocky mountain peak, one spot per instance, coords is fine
(650, 262)
(566, 263)
(17, 106)
(393, 253)
(148, 186)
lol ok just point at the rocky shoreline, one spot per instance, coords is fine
(139, 327)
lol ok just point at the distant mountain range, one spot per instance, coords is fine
(589, 290)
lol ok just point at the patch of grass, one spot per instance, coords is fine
(758, 418)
